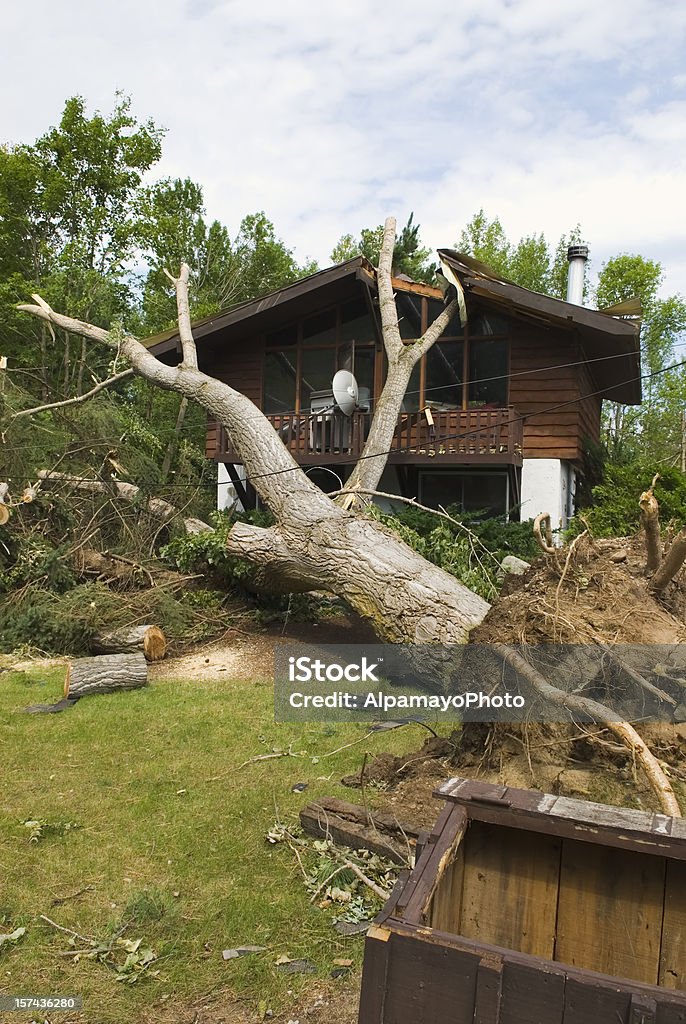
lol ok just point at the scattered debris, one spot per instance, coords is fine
(59, 900)
(355, 884)
(299, 787)
(12, 937)
(239, 951)
(138, 960)
(352, 927)
(52, 709)
(359, 828)
(40, 829)
(287, 966)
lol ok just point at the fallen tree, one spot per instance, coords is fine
(315, 543)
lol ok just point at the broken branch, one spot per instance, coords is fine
(541, 521)
(601, 714)
(74, 401)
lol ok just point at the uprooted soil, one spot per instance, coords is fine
(579, 594)
(593, 591)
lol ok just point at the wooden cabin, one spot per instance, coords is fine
(495, 416)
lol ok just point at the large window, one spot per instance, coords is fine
(303, 357)
(469, 367)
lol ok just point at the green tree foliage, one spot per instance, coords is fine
(531, 262)
(410, 256)
(225, 271)
(653, 430)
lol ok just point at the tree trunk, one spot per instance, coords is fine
(650, 521)
(670, 565)
(316, 543)
(405, 598)
(148, 639)
(173, 441)
(105, 674)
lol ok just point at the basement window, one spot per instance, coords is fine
(471, 492)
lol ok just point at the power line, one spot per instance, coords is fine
(520, 417)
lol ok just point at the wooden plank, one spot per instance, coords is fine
(669, 1012)
(532, 994)
(509, 892)
(373, 993)
(590, 1000)
(673, 954)
(488, 995)
(435, 863)
(644, 831)
(428, 983)
(444, 914)
(610, 911)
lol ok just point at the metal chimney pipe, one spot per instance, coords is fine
(577, 256)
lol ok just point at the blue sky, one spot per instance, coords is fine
(332, 115)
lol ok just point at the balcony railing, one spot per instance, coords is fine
(446, 435)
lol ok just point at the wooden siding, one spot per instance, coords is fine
(241, 365)
(556, 434)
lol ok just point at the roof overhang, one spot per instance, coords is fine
(269, 310)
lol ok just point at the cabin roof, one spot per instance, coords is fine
(611, 344)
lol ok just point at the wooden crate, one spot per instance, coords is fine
(528, 908)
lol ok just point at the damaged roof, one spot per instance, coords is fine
(608, 341)
(601, 334)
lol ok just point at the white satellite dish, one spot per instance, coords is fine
(345, 392)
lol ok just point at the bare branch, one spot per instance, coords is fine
(542, 520)
(190, 354)
(599, 713)
(125, 491)
(670, 565)
(74, 401)
(387, 308)
(434, 330)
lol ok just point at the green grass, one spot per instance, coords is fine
(171, 838)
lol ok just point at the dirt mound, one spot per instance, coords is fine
(583, 593)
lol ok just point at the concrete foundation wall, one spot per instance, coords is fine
(548, 485)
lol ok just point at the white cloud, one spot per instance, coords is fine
(329, 116)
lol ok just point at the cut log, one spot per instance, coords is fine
(148, 639)
(105, 674)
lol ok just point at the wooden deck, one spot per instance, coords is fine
(471, 436)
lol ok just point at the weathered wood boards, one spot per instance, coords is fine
(105, 674)
(525, 908)
(354, 826)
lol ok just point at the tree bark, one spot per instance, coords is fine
(105, 674)
(402, 356)
(670, 564)
(650, 521)
(148, 639)
(405, 598)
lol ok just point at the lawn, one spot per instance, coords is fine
(171, 840)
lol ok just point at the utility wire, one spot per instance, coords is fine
(520, 417)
